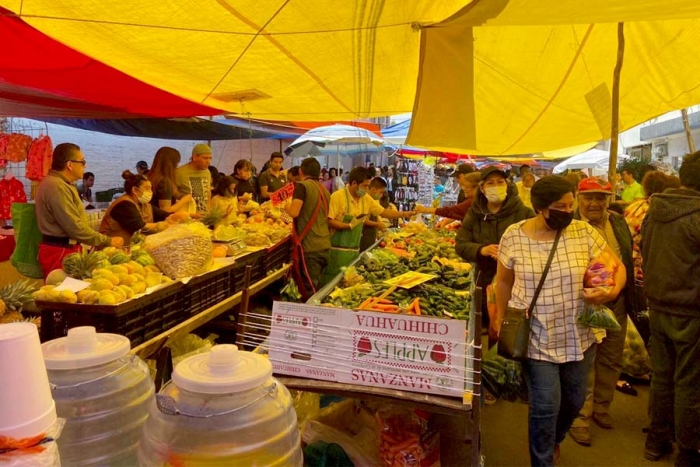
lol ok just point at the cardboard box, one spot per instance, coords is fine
(411, 353)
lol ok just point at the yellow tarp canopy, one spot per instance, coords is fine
(523, 76)
(489, 77)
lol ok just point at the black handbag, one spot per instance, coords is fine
(514, 338)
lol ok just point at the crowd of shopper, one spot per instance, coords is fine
(509, 229)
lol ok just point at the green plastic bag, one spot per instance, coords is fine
(25, 258)
(599, 316)
(322, 454)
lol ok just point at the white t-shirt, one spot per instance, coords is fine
(555, 335)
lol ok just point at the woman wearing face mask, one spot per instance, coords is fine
(560, 350)
(133, 210)
(495, 208)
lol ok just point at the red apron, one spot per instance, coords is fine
(51, 257)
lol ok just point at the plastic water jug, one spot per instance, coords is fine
(222, 408)
(102, 392)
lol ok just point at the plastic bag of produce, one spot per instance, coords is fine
(503, 377)
(39, 451)
(635, 358)
(322, 454)
(189, 345)
(406, 439)
(348, 425)
(228, 233)
(257, 239)
(600, 317)
(306, 404)
(601, 271)
(183, 250)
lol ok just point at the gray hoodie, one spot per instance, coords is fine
(671, 252)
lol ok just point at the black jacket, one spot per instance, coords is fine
(624, 239)
(481, 227)
(671, 252)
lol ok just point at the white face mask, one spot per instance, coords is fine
(496, 194)
(145, 197)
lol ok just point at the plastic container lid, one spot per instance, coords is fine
(84, 347)
(223, 370)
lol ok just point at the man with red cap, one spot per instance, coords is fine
(593, 201)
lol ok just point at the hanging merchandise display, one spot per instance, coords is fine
(39, 159)
(425, 183)
(406, 187)
(11, 191)
(17, 147)
(4, 142)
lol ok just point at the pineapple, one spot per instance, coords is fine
(11, 317)
(213, 217)
(16, 295)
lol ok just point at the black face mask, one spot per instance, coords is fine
(558, 220)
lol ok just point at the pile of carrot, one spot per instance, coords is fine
(414, 307)
(387, 306)
(400, 442)
(379, 304)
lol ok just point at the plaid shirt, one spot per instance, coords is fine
(555, 335)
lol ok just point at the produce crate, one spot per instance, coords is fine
(255, 259)
(140, 319)
(277, 255)
(209, 289)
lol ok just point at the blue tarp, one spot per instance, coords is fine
(397, 134)
(180, 128)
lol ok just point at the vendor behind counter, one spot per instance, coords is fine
(133, 211)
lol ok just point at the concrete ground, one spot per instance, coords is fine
(505, 440)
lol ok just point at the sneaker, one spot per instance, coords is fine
(626, 388)
(580, 434)
(603, 420)
(654, 451)
(489, 399)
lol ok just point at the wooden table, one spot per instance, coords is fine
(148, 348)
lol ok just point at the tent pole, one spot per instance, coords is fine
(686, 124)
(615, 127)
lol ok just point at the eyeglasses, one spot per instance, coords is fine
(83, 162)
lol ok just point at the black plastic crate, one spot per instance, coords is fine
(107, 195)
(256, 260)
(140, 319)
(277, 256)
(209, 289)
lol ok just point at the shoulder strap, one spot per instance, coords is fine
(314, 216)
(544, 273)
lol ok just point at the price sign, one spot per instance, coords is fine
(282, 195)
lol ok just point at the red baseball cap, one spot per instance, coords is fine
(595, 185)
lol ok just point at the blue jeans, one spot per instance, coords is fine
(557, 393)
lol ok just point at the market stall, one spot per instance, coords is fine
(328, 345)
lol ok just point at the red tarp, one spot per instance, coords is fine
(39, 77)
